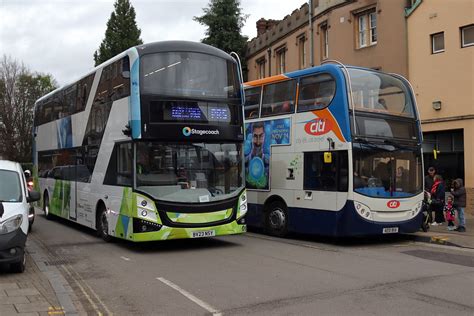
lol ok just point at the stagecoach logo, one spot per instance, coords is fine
(393, 204)
(318, 127)
(187, 131)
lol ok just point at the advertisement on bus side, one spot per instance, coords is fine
(259, 137)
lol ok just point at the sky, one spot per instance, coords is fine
(59, 37)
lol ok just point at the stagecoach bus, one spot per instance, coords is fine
(147, 146)
(333, 150)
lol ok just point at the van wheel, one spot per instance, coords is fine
(19, 267)
(46, 207)
(102, 224)
(276, 219)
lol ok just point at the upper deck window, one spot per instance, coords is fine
(186, 74)
(316, 92)
(252, 102)
(279, 98)
(380, 93)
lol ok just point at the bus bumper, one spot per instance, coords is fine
(168, 233)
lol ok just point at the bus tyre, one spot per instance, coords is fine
(47, 214)
(19, 267)
(103, 224)
(276, 219)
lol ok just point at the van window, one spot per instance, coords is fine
(279, 98)
(10, 188)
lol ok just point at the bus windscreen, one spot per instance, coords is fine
(188, 74)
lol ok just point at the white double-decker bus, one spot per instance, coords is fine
(147, 146)
(333, 150)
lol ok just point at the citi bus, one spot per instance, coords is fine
(147, 146)
(333, 150)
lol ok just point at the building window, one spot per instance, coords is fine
(261, 68)
(437, 43)
(467, 35)
(324, 41)
(302, 51)
(280, 60)
(367, 28)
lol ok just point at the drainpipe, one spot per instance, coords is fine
(311, 30)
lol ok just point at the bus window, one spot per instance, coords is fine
(316, 92)
(119, 171)
(279, 98)
(321, 176)
(83, 91)
(252, 102)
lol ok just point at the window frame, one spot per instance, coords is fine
(280, 55)
(301, 42)
(259, 102)
(324, 30)
(262, 115)
(366, 27)
(432, 37)
(462, 29)
(300, 86)
(261, 62)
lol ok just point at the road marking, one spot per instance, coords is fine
(78, 279)
(191, 297)
(125, 258)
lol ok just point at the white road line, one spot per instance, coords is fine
(193, 298)
(125, 258)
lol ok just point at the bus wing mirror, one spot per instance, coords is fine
(327, 157)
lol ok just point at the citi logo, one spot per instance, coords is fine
(393, 204)
(318, 127)
(186, 131)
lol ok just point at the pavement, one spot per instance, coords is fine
(441, 235)
(43, 290)
(40, 290)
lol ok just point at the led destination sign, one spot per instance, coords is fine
(200, 112)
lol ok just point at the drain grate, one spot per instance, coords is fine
(56, 262)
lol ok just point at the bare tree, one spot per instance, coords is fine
(19, 89)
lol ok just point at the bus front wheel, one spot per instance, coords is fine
(276, 219)
(103, 224)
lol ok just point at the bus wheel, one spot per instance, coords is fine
(276, 219)
(46, 207)
(103, 224)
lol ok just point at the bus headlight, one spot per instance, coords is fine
(11, 224)
(415, 210)
(144, 203)
(363, 210)
(242, 206)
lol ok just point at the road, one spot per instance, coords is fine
(257, 274)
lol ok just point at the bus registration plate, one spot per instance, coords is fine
(204, 233)
(390, 230)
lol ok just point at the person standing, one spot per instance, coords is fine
(437, 199)
(449, 212)
(429, 179)
(459, 193)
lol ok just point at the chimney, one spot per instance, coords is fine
(264, 25)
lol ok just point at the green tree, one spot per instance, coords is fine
(19, 89)
(122, 32)
(224, 20)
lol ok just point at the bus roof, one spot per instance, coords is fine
(155, 47)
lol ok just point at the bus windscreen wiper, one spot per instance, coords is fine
(396, 145)
(365, 142)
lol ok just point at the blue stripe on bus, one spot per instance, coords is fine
(135, 119)
(339, 106)
(343, 223)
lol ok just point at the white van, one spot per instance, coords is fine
(14, 210)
